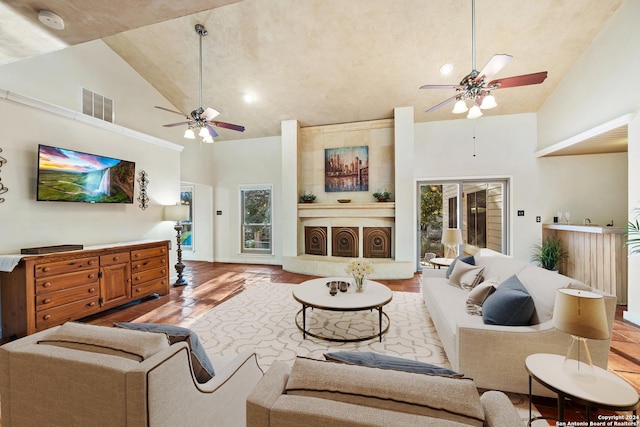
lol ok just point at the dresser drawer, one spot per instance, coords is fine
(160, 286)
(148, 253)
(149, 263)
(66, 281)
(55, 299)
(112, 259)
(145, 276)
(64, 313)
(60, 267)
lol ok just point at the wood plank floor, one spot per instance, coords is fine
(212, 283)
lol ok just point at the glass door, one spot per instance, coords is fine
(478, 208)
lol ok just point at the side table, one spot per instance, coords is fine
(604, 390)
(440, 262)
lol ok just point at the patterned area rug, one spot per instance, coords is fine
(262, 317)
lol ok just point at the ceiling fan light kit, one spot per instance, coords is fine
(477, 86)
(202, 119)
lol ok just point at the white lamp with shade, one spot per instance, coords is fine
(581, 314)
(178, 213)
(451, 238)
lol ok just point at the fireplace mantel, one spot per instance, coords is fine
(347, 210)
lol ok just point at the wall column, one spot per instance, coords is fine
(633, 281)
(290, 173)
(405, 238)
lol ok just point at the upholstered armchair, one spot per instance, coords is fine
(81, 375)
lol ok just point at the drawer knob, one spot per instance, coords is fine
(138, 289)
(115, 258)
(91, 304)
(92, 290)
(137, 255)
(46, 317)
(164, 250)
(46, 284)
(46, 301)
(45, 269)
(137, 278)
(91, 276)
(91, 262)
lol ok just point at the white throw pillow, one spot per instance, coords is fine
(465, 276)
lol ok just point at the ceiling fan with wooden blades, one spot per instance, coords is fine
(477, 86)
(201, 119)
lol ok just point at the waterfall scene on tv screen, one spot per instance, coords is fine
(72, 176)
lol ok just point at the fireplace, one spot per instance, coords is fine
(344, 241)
(376, 242)
(315, 240)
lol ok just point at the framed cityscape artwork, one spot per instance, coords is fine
(346, 169)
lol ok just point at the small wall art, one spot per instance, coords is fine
(143, 198)
(346, 169)
(3, 189)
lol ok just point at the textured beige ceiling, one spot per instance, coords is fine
(331, 61)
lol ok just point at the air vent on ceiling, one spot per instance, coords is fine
(96, 105)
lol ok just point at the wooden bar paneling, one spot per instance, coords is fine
(596, 256)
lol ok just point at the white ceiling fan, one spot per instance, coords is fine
(201, 119)
(477, 86)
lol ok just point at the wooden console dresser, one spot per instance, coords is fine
(47, 290)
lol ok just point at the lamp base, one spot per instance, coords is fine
(577, 362)
(179, 265)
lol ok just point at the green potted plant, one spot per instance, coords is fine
(633, 237)
(307, 198)
(549, 254)
(382, 196)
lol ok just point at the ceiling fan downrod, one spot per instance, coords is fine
(202, 31)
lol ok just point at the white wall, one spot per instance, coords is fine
(600, 87)
(588, 186)
(25, 222)
(245, 162)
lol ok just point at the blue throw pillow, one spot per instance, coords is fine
(375, 360)
(202, 367)
(468, 259)
(509, 305)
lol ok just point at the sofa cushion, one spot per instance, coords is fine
(453, 399)
(382, 361)
(468, 259)
(509, 305)
(201, 365)
(542, 286)
(478, 295)
(134, 345)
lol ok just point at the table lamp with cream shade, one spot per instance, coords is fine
(581, 314)
(178, 213)
(451, 238)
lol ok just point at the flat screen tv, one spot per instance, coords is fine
(72, 176)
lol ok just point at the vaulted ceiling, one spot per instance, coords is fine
(317, 61)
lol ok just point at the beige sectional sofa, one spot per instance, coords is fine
(494, 355)
(319, 393)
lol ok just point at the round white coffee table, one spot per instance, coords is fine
(601, 390)
(315, 294)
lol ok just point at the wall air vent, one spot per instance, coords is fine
(97, 106)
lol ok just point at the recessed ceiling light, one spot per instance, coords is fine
(446, 69)
(248, 97)
(51, 20)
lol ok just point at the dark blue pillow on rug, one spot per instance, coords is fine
(468, 259)
(382, 361)
(202, 367)
(509, 305)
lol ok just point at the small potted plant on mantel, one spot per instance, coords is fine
(307, 198)
(382, 196)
